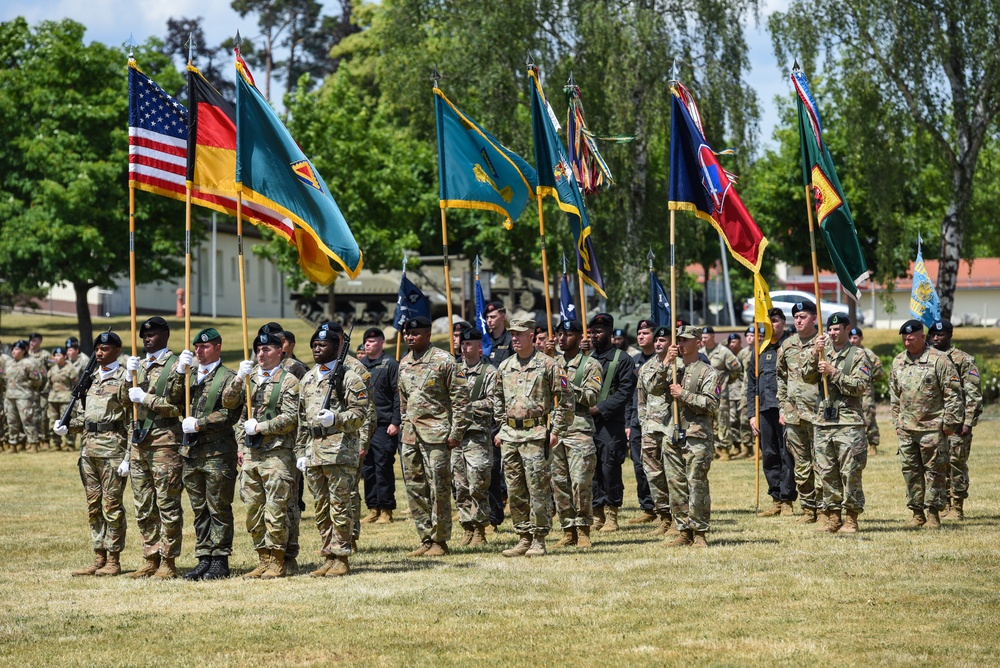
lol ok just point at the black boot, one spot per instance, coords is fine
(218, 570)
(198, 572)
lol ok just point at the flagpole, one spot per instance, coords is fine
(756, 399)
(447, 277)
(815, 265)
(187, 262)
(545, 266)
(243, 288)
(673, 318)
(399, 332)
(131, 292)
(583, 300)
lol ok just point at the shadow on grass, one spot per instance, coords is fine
(729, 542)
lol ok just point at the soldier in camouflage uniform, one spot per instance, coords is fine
(722, 359)
(434, 406)
(103, 422)
(655, 408)
(44, 358)
(209, 452)
(925, 394)
(329, 445)
(156, 466)
(472, 462)
(533, 405)
(574, 457)
(268, 453)
(4, 360)
(73, 354)
(746, 360)
(798, 400)
(841, 454)
(62, 379)
(26, 378)
(960, 442)
(688, 457)
(868, 398)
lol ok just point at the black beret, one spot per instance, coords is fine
(72, 342)
(471, 334)
(619, 332)
(571, 326)
(59, 350)
(776, 313)
(495, 306)
(837, 319)
(325, 333)
(855, 331)
(108, 339)
(708, 329)
(154, 324)
(460, 326)
(749, 330)
(942, 326)
(541, 329)
(331, 326)
(734, 337)
(267, 339)
(271, 327)
(373, 332)
(420, 322)
(20, 343)
(645, 323)
(661, 332)
(35, 335)
(602, 319)
(911, 327)
(361, 347)
(804, 305)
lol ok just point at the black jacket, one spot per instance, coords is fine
(385, 388)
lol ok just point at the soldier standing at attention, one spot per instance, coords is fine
(737, 400)
(687, 458)
(156, 465)
(496, 315)
(434, 405)
(727, 366)
(472, 461)
(841, 454)
(332, 413)
(533, 405)
(868, 398)
(925, 393)
(960, 442)
(209, 451)
(269, 452)
(103, 421)
(73, 354)
(25, 377)
(62, 379)
(798, 401)
(655, 409)
(377, 470)
(574, 457)
(633, 428)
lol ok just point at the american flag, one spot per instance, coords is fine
(158, 153)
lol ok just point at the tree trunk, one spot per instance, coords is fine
(952, 232)
(86, 326)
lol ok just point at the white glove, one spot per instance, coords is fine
(60, 429)
(326, 418)
(189, 425)
(246, 366)
(136, 395)
(131, 366)
(184, 361)
(300, 463)
(251, 427)
(123, 468)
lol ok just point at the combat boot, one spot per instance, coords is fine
(786, 508)
(522, 546)
(808, 516)
(422, 550)
(537, 548)
(112, 568)
(611, 520)
(918, 520)
(646, 517)
(748, 451)
(662, 527)
(773, 511)
(599, 518)
(958, 509)
(933, 519)
(265, 561)
(340, 567)
(291, 566)
(324, 567)
(699, 539)
(872, 450)
(199, 571)
(683, 539)
(372, 515)
(723, 454)
(167, 569)
(832, 524)
(466, 537)
(583, 538)
(478, 536)
(147, 569)
(276, 567)
(673, 530)
(218, 570)
(437, 549)
(384, 516)
(100, 558)
(569, 538)
(850, 523)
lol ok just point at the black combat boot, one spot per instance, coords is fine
(218, 569)
(198, 572)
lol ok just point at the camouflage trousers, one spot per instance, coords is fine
(574, 460)
(871, 424)
(958, 468)
(23, 421)
(721, 424)
(841, 456)
(924, 457)
(105, 490)
(55, 411)
(653, 466)
(472, 471)
(294, 514)
(156, 477)
(742, 423)
(427, 477)
(529, 486)
(211, 484)
(266, 487)
(799, 441)
(686, 467)
(332, 486)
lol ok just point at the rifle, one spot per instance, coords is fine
(81, 389)
(337, 373)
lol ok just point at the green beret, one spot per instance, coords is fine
(207, 335)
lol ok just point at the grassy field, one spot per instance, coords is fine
(767, 592)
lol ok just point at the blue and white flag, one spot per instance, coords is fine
(659, 305)
(410, 303)
(925, 305)
(567, 309)
(481, 320)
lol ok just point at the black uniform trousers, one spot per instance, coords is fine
(776, 460)
(612, 448)
(377, 469)
(498, 486)
(641, 484)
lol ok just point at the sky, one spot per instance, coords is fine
(111, 22)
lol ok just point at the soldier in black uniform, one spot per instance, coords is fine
(644, 338)
(496, 316)
(377, 469)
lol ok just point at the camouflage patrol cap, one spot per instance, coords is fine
(645, 323)
(20, 343)
(804, 305)
(912, 327)
(420, 322)
(602, 320)
(267, 339)
(207, 335)
(108, 339)
(689, 332)
(837, 319)
(472, 334)
(154, 324)
(942, 326)
(571, 326)
(522, 325)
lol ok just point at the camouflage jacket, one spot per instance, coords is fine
(107, 408)
(215, 422)
(481, 405)
(25, 378)
(925, 393)
(43, 356)
(726, 365)
(797, 399)
(433, 398)
(80, 362)
(341, 443)
(875, 365)
(655, 405)
(161, 411)
(276, 427)
(535, 389)
(847, 385)
(295, 367)
(586, 393)
(699, 400)
(972, 394)
(371, 415)
(62, 380)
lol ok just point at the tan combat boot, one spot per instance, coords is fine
(384, 517)
(599, 518)
(151, 565)
(276, 567)
(372, 515)
(611, 520)
(569, 538)
(645, 517)
(422, 550)
(112, 568)
(661, 528)
(466, 537)
(340, 568)
(537, 548)
(808, 516)
(167, 570)
(34, 447)
(850, 523)
(699, 539)
(722, 454)
(583, 538)
(918, 520)
(100, 558)
(773, 511)
(832, 524)
(521, 548)
(324, 568)
(265, 561)
(947, 512)
(478, 536)
(958, 509)
(437, 549)
(933, 519)
(872, 450)
(683, 539)
(786, 508)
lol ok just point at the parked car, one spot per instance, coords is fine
(785, 299)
